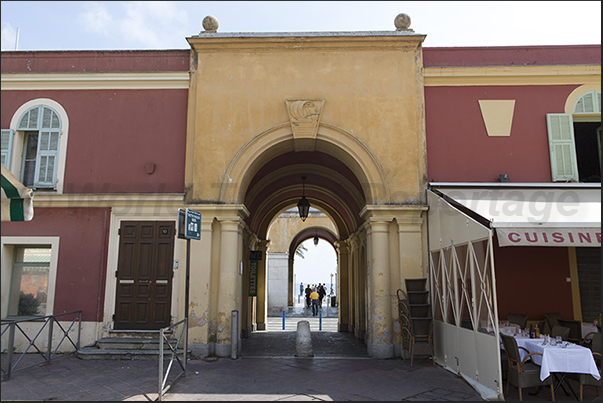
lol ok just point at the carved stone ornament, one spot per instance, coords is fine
(304, 115)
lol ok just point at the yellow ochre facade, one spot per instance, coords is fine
(265, 108)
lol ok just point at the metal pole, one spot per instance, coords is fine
(283, 319)
(320, 320)
(50, 328)
(188, 275)
(160, 386)
(234, 334)
(11, 343)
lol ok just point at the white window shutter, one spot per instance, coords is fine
(590, 102)
(46, 162)
(7, 146)
(564, 163)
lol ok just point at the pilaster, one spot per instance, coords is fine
(262, 278)
(344, 293)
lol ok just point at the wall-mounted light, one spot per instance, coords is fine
(316, 239)
(303, 205)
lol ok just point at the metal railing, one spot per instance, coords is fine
(164, 386)
(47, 324)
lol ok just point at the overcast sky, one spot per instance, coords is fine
(104, 25)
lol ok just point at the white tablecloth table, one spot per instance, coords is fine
(587, 328)
(573, 358)
(522, 342)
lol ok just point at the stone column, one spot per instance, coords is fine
(230, 282)
(355, 281)
(261, 298)
(343, 291)
(200, 280)
(379, 343)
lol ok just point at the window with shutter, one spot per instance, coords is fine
(41, 149)
(7, 147)
(590, 102)
(562, 147)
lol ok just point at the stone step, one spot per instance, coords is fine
(114, 343)
(95, 353)
(137, 334)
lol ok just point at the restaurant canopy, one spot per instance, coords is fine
(17, 199)
(525, 214)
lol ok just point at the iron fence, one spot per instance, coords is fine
(164, 373)
(48, 329)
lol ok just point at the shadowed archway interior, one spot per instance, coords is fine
(330, 186)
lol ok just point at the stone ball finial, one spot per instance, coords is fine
(210, 24)
(402, 22)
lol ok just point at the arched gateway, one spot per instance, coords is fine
(344, 111)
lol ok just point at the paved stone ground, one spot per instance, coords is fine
(267, 371)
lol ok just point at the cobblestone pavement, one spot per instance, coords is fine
(266, 371)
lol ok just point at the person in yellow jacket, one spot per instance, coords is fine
(314, 297)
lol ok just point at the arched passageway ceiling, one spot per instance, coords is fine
(330, 186)
(333, 148)
(311, 232)
(260, 223)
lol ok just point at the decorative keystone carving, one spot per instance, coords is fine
(304, 115)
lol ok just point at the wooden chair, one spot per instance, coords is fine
(562, 331)
(504, 362)
(523, 373)
(543, 326)
(588, 379)
(575, 326)
(403, 308)
(592, 340)
(401, 294)
(417, 335)
(552, 318)
(518, 318)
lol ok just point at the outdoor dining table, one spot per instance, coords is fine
(561, 359)
(588, 328)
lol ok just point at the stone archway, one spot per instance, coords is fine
(363, 154)
(279, 140)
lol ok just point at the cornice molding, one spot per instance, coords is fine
(92, 81)
(49, 200)
(327, 41)
(512, 75)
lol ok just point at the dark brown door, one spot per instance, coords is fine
(144, 275)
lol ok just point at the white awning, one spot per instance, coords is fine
(534, 214)
(17, 199)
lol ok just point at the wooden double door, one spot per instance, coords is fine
(144, 275)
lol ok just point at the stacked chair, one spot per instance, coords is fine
(588, 379)
(416, 321)
(575, 327)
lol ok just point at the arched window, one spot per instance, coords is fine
(41, 126)
(590, 102)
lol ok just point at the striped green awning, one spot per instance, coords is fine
(17, 200)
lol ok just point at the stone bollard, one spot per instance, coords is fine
(303, 340)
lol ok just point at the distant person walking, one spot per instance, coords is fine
(301, 289)
(314, 298)
(321, 294)
(308, 292)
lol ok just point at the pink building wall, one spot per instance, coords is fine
(82, 261)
